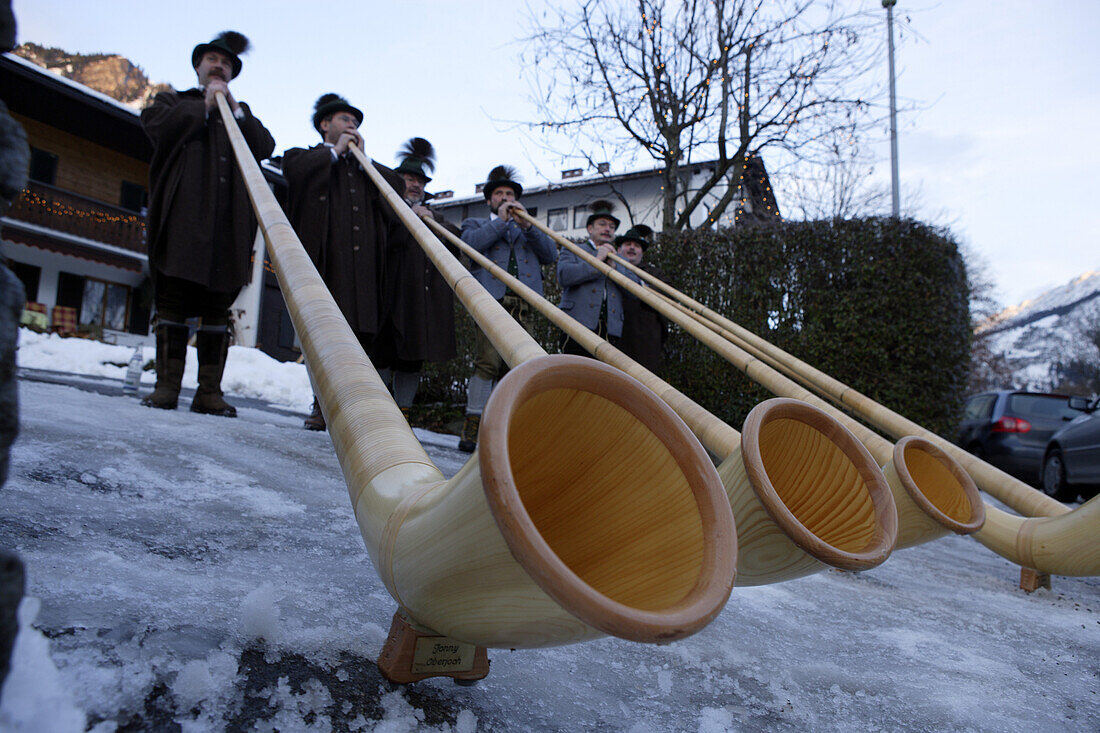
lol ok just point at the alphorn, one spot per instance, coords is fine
(539, 539)
(933, 495)
(805, 494)
(1062, 544)
(997, 483)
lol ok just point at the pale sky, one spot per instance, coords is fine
(1002, 148)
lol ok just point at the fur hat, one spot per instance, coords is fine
(639, 233)
(328, 105)
(417, 157)
(502, 175)
(230, 43)
(601, 209)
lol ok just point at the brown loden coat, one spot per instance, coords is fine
(644, 330)
(346, 227)
(423, 303)
(200, 226)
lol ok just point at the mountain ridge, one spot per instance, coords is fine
(1047, 343)
(112, 74)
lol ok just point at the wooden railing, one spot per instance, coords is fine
(65, 211)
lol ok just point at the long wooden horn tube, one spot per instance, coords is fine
(803, 495)
(932, 495)
(1009, 489)
(1059, 545)
(538, 540)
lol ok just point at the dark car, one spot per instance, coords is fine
(1071, 465)
(1010, 429)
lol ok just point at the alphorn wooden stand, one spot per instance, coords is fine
(412, 653)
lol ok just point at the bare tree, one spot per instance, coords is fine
(841, 186)
(989, 367)
(689, 81)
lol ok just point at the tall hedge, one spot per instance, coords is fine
(879, 304)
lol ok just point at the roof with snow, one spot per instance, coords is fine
(49, 98)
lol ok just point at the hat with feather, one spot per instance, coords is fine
(417, 157)
(639, 233)
(502, 175)
(329, 104)
(601, 209)
(230, 43)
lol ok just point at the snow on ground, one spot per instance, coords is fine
(189, 572)
(248, 372)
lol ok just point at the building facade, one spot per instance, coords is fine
(76, 235)
(564, 205)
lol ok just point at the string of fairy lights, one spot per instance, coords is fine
(58, 208)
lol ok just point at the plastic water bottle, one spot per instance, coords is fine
(133, 372)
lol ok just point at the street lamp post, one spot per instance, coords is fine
(895, 196)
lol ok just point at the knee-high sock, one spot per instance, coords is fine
(478, 390)
(404, 387)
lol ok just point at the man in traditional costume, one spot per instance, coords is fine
(342, 220)
(419, 323)
(587, 294)
(644, 329)
(518, 247)
(200, 226)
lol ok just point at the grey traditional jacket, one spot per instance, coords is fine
(496, 238)
(583, 289)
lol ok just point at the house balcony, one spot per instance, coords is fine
(64, 211)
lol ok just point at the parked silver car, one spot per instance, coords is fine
(1071, 463)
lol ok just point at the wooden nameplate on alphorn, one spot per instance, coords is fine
(411, 655)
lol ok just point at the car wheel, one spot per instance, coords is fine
(1054, 478)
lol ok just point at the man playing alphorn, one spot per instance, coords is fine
(586, 294)
(200, 224)
(420, 318)
(342, 220)
(522, 250)
(644, 329)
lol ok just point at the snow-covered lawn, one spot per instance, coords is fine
(189, 572)
(248, 372)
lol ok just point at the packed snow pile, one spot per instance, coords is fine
(194, 573)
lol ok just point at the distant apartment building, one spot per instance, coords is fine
(564, 205)
(76, 236)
